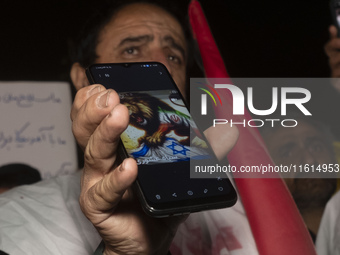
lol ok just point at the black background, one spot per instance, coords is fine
(256, 39)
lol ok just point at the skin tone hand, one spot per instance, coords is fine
(332, 49)
(106, 198)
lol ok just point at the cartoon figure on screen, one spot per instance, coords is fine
(157, 131)
(156, 118)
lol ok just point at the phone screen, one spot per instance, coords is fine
(159, 137)
(160, 128)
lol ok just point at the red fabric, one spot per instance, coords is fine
(273, 216)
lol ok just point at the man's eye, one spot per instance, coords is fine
(175, 59)
(131, 51)
(286, 154)
(317, 147)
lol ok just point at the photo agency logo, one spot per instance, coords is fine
(282, 98)
(204, 98)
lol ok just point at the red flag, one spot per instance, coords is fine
(273, 216)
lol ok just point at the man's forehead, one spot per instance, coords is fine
(142, 29)
(137, 21)
(146, 14)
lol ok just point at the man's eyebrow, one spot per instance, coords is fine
(136, 39)
(175, 45)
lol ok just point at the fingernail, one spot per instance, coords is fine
(103, 99)
(93, 91)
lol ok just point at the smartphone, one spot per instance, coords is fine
(335, 12)
(158, 137)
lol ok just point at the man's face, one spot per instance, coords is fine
(301, 145)
(143, 32)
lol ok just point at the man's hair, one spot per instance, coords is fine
(16, 174)
(83, 49)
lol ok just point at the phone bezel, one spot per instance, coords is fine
(163, 209)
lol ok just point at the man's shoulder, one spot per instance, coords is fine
(334, 203)
(329, 229)
(44, 217)
(63, 186)
(55, 194)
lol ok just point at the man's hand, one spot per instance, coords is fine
(332, 49)
(106, 198)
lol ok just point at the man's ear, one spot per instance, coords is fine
(78, 76)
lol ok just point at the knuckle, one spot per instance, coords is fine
(89, 158)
